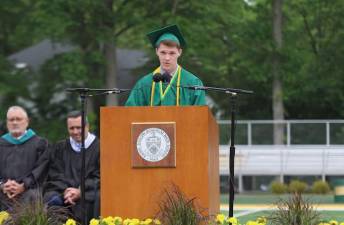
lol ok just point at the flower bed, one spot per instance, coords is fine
(219, 219)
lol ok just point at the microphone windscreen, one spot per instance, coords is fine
(166, 78)
(157, 77)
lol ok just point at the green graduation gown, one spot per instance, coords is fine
(141, 94)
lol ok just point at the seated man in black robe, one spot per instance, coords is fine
(23, 160)
(63, 185)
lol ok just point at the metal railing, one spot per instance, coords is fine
(296, 132)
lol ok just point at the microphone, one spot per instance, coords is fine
(165, 78)
(157, 77)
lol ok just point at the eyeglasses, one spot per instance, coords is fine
(14, 119)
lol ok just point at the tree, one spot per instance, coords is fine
(277, 90)
(17, 31)
(315, 40)
(96, 26)
(230, 44)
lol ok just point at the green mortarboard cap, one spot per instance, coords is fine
(171, 33)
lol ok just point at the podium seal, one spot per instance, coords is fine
(153, 144)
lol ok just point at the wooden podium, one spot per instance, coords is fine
(132, 189)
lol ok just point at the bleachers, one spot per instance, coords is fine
(311, 148)
(284, 160)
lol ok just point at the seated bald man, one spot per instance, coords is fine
(24, 159)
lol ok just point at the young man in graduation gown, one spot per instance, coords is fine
(63, 185)
(24, 158)
(170, 90)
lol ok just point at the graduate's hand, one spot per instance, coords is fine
(71, 195)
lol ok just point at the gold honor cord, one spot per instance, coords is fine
(163, 93)
(157, 70)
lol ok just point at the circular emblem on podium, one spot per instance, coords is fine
(153, 144)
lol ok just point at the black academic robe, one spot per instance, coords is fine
(26, 163)
(65, 171)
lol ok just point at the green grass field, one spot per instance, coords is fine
(326, 215)
(257, 199)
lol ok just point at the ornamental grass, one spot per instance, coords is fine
(34, 212)
(295, 211)
(175, 208)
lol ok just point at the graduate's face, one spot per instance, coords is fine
(168, 57)
(74, 128)
(17, 122)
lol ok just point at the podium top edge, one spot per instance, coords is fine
(154, 107)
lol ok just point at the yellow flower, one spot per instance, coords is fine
(157, 222)
(220, 218)
(94, 222)
(134, 222)
(261, 219)
(147, 221)
(118, 220)
(70, 222)
(333, 222)
(3, 216)
(250, 222)
(126, 222)
(232, 220)
(108, 220)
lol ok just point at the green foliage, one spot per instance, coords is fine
(176, 209)
(52, 101)
(14, 87)
(18, 28)
(314, 51)
(278, 187)
(320, 187)
(229, 45)
(294, 211)
(296, 186)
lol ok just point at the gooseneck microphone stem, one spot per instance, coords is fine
(232, 156)
(225, 90)
(83, 99)
(89, 92)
